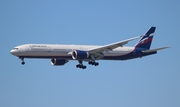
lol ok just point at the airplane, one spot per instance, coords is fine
(60, 54)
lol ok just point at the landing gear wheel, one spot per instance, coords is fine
(22, 63)
(93, 63)
(78, 66)
(96, 64)
(81, 66)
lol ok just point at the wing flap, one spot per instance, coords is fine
(153, 50)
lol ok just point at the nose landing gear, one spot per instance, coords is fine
(22, 59)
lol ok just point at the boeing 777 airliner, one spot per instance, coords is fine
(61, 54)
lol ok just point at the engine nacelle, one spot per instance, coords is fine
(58, 62)
(79, 54)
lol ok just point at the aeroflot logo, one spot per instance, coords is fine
(147, 39)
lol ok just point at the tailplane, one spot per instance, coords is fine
(145, 41)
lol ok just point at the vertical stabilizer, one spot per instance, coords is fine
(145, 41)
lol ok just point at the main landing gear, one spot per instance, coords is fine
(80, 65)
(22, 59)
(93, 63)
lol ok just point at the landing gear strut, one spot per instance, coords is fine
(80, 65)
(22, 59)
(93, 63)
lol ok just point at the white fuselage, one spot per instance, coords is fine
(58, 50)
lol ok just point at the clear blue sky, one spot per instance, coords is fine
(152, 81)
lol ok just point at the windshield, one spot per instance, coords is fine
(15, 48)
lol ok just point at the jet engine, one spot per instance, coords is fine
(58, 62)
(79, 54)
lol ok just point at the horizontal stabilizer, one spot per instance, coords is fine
(153, 50)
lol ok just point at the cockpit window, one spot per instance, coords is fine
(15, 48)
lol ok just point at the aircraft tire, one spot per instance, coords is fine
(22, 63)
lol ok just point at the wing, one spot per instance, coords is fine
(110, 47)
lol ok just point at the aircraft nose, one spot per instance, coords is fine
(14, 52)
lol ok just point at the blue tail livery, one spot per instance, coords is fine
(145, 41)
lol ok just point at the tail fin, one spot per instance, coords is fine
(145, 41)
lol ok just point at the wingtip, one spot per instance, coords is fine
(166, 47)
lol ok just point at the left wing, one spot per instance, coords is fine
(110, 47)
